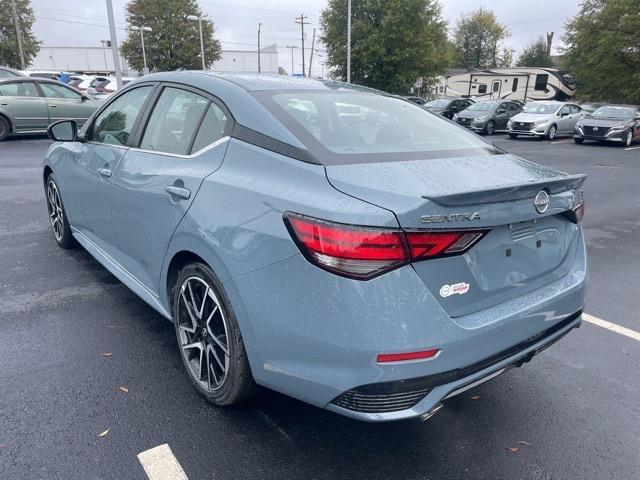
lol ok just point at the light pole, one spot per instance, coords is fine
(105, 44)
(196, 18)
(349, 41)
(291, 47)
(114, 44)
(144, 54)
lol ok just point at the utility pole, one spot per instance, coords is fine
(349, 41)
(301, 21)
(105, 44)
(549, 41)
(291, 47)
(18, 32)
(198, 18)
(259, 26)
(313, 43)
(114, 44)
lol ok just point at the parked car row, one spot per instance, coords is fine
(544, 119)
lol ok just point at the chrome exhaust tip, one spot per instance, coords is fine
(435, 409)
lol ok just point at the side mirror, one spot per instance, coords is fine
(63, 131)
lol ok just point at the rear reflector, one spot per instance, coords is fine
(407, 356)
(366, 252)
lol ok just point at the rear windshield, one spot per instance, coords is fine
(613, 112)
(544, 108)
(357, 127)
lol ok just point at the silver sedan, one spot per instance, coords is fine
(545, 119)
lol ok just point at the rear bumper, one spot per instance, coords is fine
(441, 386)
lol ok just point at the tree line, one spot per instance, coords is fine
(393, 42)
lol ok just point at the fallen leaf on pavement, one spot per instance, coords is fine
(106, 354)
(123, 389)
(522, 442)
(104, 434)
(513, 449)
(475, 397)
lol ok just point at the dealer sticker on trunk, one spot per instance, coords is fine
(457, 288)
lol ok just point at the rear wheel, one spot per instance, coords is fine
(513, 135)
(490, 127)
(209, 338)
(552, 132)
(57, 215)
(5, 128)
(578, 140)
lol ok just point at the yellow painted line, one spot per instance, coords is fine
(627, 332)
(160, 464)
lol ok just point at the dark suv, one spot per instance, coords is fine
(488, 116)
(610, 123)
(448, 107)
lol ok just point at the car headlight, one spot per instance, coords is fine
(510, 122)
(618, 128)
(542, 121)
(455, 117)
(579, 125)
(482, 118)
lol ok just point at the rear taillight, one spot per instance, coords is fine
(366, 252)
(576, 214)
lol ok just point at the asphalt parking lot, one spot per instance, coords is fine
(71, 335)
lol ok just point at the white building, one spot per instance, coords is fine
(100, 60)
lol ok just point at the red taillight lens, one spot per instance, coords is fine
(576, 214)
(407, 356)
(366, 252)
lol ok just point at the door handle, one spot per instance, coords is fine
(105, 172)
(180, 192)
(53, 106)
(4, 104)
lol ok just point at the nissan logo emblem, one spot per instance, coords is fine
(541, 202)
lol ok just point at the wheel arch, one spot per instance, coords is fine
(46, 171)
(9, 121)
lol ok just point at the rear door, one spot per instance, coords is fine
(22, 103)
(184, 141)
(64, 103)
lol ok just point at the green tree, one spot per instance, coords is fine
(478, 38)
(393, 42)
(603, 49)
(174, 41)
(535, 55)
(9, 52)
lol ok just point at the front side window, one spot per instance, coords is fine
(113, 125)
(174, 121)
(566, 110)
(212, 128)
(348, 127)
(58, 91)
(18, 89)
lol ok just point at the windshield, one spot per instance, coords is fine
(439, 103)
(368, 127)
(483, 106)
(613, 112)
(542, 108)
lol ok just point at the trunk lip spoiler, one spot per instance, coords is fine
(508, 193)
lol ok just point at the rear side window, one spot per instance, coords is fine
(113, 125)
(514, 85)
(541, 82)
(482, 89)
(212, 128)
(58, 91)
(18, 89)
(174, 121)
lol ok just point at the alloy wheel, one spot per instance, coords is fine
(490, 128)
(203, 333)
(629, 139)
(56, 215)
(552, 132)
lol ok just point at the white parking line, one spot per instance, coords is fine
(627, 332)
(160, 464)
(631, 148)
(561, 141)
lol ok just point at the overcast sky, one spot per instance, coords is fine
(84, 22)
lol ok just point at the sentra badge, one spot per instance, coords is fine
(451, 217)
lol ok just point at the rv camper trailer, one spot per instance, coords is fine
(524, 84)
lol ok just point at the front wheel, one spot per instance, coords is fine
(552, 133)
(578, 140)
(513, 135)
(209, 338)
(628, 140)
(57, 215)
(490, 128)
(5, 128)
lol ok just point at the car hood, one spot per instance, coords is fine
(530, 117)
(474, 113)
(604, 122)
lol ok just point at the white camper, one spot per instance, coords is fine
(520, 83)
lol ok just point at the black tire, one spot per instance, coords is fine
(490, 127)
(578, 140)
(212, 330)
(552, 133)
(57, 214)
(5, 128)
(513, 135)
